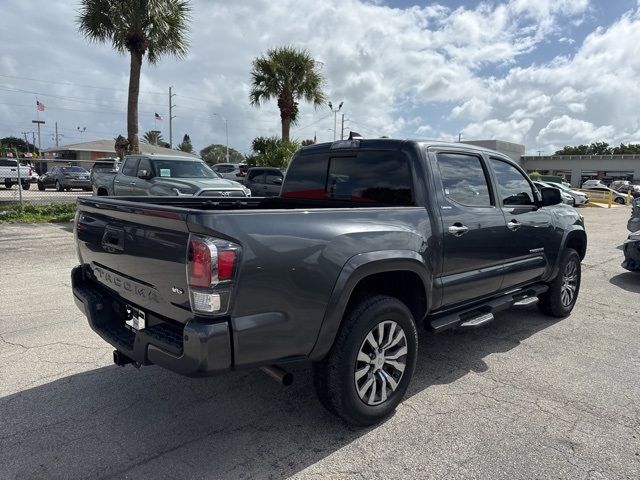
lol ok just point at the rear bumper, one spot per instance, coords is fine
(198, 348)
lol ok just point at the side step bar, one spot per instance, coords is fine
(483, 312)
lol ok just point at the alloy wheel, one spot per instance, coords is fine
(381, 362)
(569, 283)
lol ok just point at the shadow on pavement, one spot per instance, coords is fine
(629, 281)
(114, 422)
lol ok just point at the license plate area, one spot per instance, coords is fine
(136, 319)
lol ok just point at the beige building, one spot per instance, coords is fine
(85, 154)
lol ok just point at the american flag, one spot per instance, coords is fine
(158, 117)
(41, 106)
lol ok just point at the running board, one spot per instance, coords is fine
(482, 312)
(477, 321)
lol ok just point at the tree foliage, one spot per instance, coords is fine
(599, 148)
(287, 75)
(154, 137)
(216, 153)
(308, 141)
(271, 152)
(19, 144)
(139, 27)
(185, 145)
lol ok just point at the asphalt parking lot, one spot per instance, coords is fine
(524, 397)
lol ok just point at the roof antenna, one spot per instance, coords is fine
(355, 136)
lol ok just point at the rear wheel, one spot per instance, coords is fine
(620, 201)
(8, 184)
(26, 186)
(41, 186)
(563, 291)
(368, 369)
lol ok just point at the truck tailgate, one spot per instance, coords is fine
(139, 252)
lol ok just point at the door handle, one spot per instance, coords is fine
(116, 181)
(457, 229)
(133, 184)
(513, 225)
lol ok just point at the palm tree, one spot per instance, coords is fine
(153, 137)
(141, 27)
(288, 75)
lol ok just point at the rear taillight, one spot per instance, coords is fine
(211, 269)
(30, 171)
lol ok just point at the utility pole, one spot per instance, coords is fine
(335, 117)
(459, 137)
(171, 117)
(342, 128)
(539, 152)
(57, 134)
(39, 122)
(26, 141)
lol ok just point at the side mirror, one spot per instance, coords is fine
(277, 181)
(550, 196)
(144, 174)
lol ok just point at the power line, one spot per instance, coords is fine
(69, 84)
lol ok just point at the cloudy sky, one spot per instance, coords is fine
(541, 72)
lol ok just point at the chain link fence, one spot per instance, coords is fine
(24, 186)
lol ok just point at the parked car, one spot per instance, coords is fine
(633, 225)
(566, 198)
(631, 249)
(616, 184)
(153, 175)
(231, 171)
(579, 198)
(9, 173)
(264, 181)
(634, 190)
(369, 240)
(592, 183)
(617, 197)
(65, 178)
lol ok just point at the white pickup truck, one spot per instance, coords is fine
(9, 173)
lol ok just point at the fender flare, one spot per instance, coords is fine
(568, 234)
(354, 270)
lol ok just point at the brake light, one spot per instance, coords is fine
(199, 263)
(30, 171)
(211, 269)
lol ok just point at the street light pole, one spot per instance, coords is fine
(226, 129)
(335, 117)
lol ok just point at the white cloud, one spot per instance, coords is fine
(473, 109)
(568, 130)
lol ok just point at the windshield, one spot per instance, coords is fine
(183, 169)
(73, 170)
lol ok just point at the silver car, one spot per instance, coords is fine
(231, 171)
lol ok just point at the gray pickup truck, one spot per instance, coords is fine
(156, 175)
(368, 241)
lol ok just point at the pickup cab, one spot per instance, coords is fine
(9, 173)
(368, 241)
(155, 175)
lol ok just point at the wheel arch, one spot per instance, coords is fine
(398, 273)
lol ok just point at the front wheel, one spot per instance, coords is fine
(563, 291)
(59, 186)
(26, 186)
(368, 369)
(41, 186)
(620, 201)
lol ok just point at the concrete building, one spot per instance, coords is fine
(85, 154)
(513, 150)
(578, 168)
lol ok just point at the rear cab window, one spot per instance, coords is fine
(381, 177)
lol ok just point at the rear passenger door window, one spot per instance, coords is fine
(513, 188)
(256, 176)
(464, 179)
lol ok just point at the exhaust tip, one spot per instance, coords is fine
(278, 374)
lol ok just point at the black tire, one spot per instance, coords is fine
(554, 302)
(26, 186)
(41, 186)
(8, 184)
(620, 201)
(334, 376)
(59, 186)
